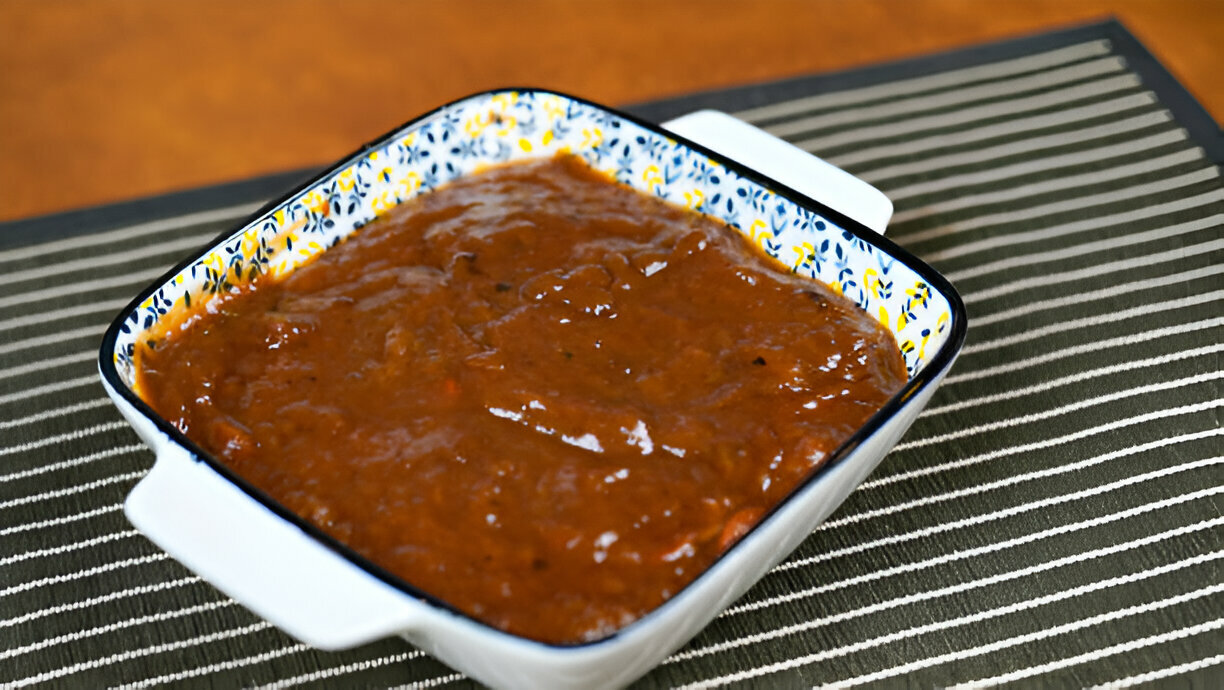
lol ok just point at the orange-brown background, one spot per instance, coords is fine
(104, 100)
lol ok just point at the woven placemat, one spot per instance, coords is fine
(1054, 515)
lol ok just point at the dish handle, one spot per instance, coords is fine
(275, 569)
(788, 164)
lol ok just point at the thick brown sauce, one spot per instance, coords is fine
(545, 399)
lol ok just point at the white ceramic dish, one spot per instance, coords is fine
(815, 218)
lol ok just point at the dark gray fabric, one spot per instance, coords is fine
(1054, 515)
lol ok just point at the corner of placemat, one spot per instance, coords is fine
(1186, 109)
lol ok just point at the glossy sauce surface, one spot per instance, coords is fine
(542, 398)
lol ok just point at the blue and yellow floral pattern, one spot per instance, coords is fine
(505, 126)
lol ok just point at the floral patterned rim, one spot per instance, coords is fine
(511, 125)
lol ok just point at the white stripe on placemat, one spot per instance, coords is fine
(993, 547)
(1093, 346)
(895, 508)
(1061, 253)
(1112, 291)
(102, 599)
(933, 499)
(340, 670)
(1055, 184)
(817, 623)
(1129, 365)
(71, 462)
(49, 339)
(1003, 513)
(1093, 272)
(1102, 222)
(171, 678)
(67, 491)
(60, 438)
(931, 82)
(167, 248)
(46, 388)
(42, 317)
(1066, 205)
(1040, 635)
(1059, 411)
(1051, 442)
(53, 413)
(1158, 674)
(1093, 295)
(1122, 648)
(95, 330)
(49, 363)
(863, 157)
(925, 104)
(931, 661)
(431, 683)
(68, 548)
(1011, 108)
(128, 232)
(1032, 166)
(112, 627)
(64, 519)
(88, 572)
(1095, 320)
(138, 653)
(127, 278)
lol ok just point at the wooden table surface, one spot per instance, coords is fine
(105, 100)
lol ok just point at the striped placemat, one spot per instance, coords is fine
(1053, 516)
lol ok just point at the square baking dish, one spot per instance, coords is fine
(816, 220)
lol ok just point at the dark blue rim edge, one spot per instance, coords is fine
(936, 366)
